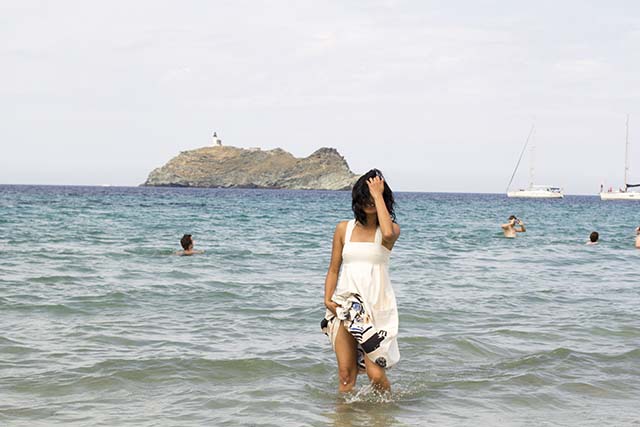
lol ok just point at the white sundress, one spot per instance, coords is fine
(364, 278)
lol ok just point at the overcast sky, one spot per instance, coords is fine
(440, 95)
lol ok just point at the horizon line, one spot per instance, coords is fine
(253, 188)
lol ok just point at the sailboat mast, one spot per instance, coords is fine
(626, 156)
(520, 158)
(532, 160)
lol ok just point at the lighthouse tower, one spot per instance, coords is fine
(217, 142)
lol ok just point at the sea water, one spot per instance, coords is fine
(101, 324)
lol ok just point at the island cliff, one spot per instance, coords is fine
(233, 167)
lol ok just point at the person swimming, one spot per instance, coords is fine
(593, 238)
(187, 242)
(509, 229)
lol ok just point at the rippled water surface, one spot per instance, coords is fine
(101, 325)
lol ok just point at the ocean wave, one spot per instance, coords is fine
(145, 370)
(541, 358)
(50, 309)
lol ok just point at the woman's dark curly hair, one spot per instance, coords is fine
(360, 196)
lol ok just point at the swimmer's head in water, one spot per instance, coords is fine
(361, 198)
(594, 236)
(186, 242)
(512, 217)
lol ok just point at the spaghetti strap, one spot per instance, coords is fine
(378, 238)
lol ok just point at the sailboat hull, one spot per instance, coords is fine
(535, 194)
(534, 191)
(622, 195)
(618, 195)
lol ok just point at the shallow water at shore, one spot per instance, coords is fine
(102, 325)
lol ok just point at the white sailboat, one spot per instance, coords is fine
(533, 191)
(623, 193)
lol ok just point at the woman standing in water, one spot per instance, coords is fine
(362, 317)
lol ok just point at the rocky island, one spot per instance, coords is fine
(233, 167)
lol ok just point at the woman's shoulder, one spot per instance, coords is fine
(342, 225)
(341, 231)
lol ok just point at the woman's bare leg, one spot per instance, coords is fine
(377, 375)
(347, 356)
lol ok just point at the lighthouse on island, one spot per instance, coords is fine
(217, 142)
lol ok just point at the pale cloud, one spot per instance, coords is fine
(321, 42)
(448, 62)
(581, 68)
(177, 75)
